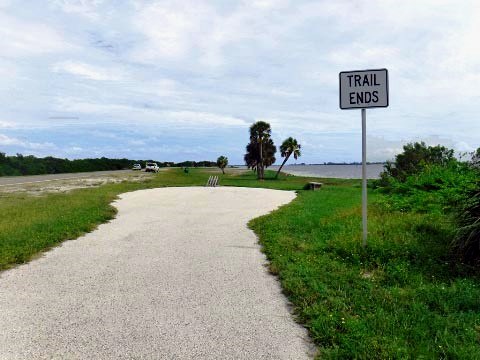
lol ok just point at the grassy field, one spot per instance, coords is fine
(399, 298)
(30, 224)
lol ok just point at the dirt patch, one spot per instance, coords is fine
(66, 185)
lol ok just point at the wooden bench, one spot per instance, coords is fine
(314, 185)
(212, 181)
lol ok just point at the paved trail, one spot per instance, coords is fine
(177, 275)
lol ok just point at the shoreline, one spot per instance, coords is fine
(350, 171)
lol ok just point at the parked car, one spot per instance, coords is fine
(137, 167)
(151, 167)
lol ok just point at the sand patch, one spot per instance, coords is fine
(66, 185)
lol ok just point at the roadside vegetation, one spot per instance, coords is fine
(409, 294)
(31, 165)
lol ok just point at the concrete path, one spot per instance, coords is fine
(177, 275)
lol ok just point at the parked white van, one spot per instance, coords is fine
(151, 167)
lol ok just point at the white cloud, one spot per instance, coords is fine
(170, 28)
(164, 88)
(363, 55)
(463, 146)
(285, 93)
(196, 31)
(87, 8)
(20, 38)
(5, 140)
(88, 71)
(11, 141)
(5, 3)
(148, 115)
(311, 122)
(202, 118)
(137, 142)
(6, 124)
(8, 70)
(267, 4)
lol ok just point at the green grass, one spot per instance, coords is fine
(30, 224)
(401, 298)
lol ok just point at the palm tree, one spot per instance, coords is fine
(289, 146)
(251, 157)
(222, 163)
(260, 132)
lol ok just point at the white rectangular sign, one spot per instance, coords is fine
(364, 89)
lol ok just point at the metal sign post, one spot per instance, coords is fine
(361, 90)
(364, 176)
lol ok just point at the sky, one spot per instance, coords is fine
(184, 80)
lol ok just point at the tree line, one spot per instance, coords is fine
(31, 165)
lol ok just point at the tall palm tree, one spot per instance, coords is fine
(289, 146)
(252, 157)
(260, 132)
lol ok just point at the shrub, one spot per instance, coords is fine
(438, 189)
(414, 159)
(466, 245)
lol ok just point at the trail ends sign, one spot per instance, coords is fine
(364, 89)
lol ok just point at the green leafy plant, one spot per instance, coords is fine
(437, 188)
(414, 158)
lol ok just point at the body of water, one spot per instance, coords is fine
(332, 171)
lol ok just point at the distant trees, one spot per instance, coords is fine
(261, 149)
(31, 165)
(188, 164)
(222, 163)
(289, 146)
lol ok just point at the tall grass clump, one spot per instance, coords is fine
(466, 244)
